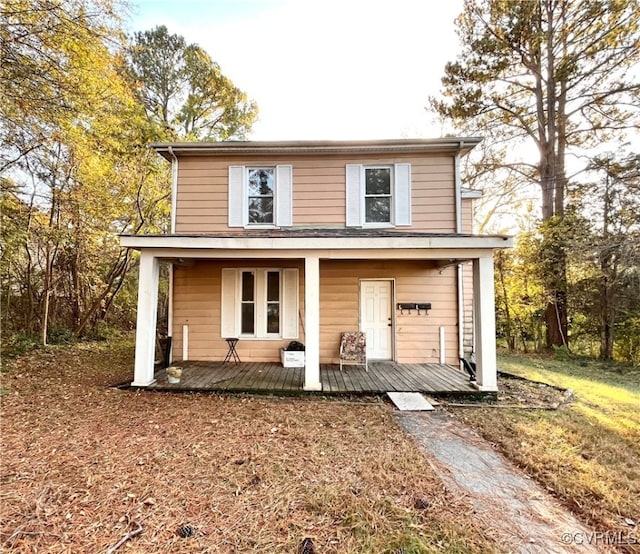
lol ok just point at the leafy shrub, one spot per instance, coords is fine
(627, 345)
(18, 343)
(60, 335)
(105, 331)
(562, 353)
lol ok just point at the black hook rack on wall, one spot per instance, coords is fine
(408, 306)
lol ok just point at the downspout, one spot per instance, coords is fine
(174, 200)
(174, 188)
(458, 187)
(460, 276)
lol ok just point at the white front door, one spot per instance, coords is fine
(375, 318)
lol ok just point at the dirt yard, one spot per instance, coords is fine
(85, 465)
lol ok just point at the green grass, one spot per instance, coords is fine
(608, 393)
(587, 453)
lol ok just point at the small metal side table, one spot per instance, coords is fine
(232, 354)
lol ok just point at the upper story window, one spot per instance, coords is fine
(260, 196)
(378, 195)
(260, 193)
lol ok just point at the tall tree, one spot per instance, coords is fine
(555, 74)
(612, 201)
(518, 293)
(49, 67)
(76, 169)
(184, 91)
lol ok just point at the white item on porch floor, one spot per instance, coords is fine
(290, 358)
(410, 401)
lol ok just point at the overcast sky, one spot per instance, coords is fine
(322, 69)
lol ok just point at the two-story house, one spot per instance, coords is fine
(301, 240)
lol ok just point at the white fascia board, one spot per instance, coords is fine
(315, 243)
(451, 255)
(471, 193)
(271, 148)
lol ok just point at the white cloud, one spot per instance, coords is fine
(324, 70)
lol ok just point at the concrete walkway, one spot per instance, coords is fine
(515, 510)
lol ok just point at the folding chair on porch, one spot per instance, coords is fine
(353, 349)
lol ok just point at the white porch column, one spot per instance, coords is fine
(485, 324)
(312, 323)
(146, 320)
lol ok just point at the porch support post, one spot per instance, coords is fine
(485, 324)
(146, 320)
(312, 323)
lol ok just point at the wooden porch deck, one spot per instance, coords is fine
(272, 377)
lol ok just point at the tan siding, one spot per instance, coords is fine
(318, 190)
(467, 283)
(467, 215)
(468, 307)
(417, 336)
(197, 304)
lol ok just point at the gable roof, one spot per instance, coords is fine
(314, 147)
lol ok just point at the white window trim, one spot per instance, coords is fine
(238, 196)
(245, 185)
(260, 302)
(363, 197)
(401, 201)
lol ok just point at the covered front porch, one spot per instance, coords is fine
(306, 252)
(264, 377)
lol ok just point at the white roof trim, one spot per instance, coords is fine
(316, 147)
(364, 243)
(471, 193)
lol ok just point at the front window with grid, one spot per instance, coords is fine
(260, 195)
(260, 302)
(377, 194)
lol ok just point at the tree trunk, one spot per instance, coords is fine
(44, 325)
(523, 336)
(29, 321)
(555, 316)
(608, 275)
(505, 301)
(553, 182)
(606, 321)
(115, 277)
